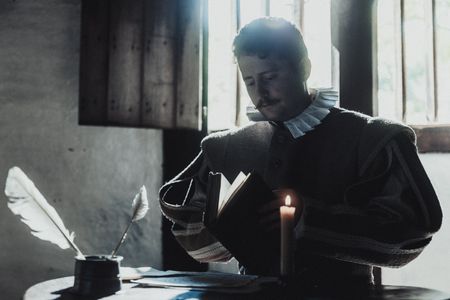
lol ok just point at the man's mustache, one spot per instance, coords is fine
(265, 101)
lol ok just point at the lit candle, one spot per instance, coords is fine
(287, 237)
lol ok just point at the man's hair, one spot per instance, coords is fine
(270, 35)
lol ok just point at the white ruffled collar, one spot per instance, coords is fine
(313, 115)
(308, 119)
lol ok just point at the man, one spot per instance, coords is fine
(366, 199)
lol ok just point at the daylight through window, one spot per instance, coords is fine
(414, 61)
(227, 97)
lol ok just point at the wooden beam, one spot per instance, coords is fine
(354, 35)
(433, 138)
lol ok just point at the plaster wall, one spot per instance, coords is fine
(432, 267)
(89, 174)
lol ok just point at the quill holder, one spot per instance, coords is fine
(97, 276)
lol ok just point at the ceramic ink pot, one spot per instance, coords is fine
(97, 275)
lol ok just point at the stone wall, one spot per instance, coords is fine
(89, 174)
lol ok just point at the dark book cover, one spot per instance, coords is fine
(237, 225)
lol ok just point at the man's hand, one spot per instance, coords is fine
(270, 212)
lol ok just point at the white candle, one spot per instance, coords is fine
(287, 237)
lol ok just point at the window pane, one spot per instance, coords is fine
(418, 60)
(443, 63)
(251, 9)
(221, 68)
(389, 60)
(283, 8)
(317, 35)
(416, 63)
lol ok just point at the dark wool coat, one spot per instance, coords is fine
(367, 199)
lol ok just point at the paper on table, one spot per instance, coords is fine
(205, 280)
(129, 273)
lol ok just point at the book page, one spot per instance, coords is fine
(224, 188)
(230, 189)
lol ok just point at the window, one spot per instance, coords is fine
(227, 97)
(414, 67)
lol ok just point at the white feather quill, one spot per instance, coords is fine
(140, 208)
(26, 201)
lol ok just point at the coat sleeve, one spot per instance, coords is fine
(182, 201)
(386, 218)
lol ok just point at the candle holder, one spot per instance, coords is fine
(97, 275)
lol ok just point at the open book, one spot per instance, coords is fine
(231, 216)
(228, 191)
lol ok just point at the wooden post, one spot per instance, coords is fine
(354, 35)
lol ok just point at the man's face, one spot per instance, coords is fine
(274, 86)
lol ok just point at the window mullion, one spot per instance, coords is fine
(237, 4)
(403, 59)
(334, 60)
(435, 58)
(301, 15)
(334, 68)
(430, 61)
(398, 79)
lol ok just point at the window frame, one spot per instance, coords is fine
(433, 136)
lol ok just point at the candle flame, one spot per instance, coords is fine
(288, 200)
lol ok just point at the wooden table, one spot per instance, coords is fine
(60, 289)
